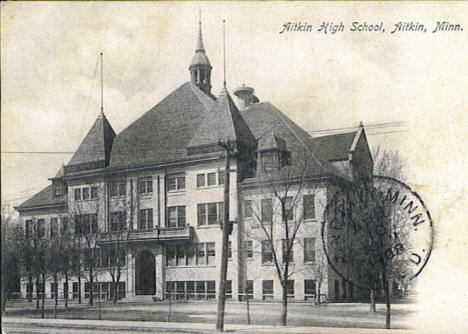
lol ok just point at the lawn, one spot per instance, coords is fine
(299, 314)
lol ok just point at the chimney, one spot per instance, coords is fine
(245, 96)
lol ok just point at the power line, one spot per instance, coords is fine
(35, 152)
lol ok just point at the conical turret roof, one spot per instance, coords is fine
(97, 144)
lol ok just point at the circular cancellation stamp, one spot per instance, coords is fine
(377, 228)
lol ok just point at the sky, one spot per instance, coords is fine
(51, 90)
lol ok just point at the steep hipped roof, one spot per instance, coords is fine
(43, 198)
(333, 147)
(264, 118)
(162, 133)
(223, 123)
(97, 144)
(271, 142)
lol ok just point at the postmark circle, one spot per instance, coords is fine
(375, 228)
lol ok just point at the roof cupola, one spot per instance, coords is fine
(200, 68)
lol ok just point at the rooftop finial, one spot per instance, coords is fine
(200, 46)
(102, 86)
(224, 52)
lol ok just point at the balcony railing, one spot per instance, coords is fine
(151, 234)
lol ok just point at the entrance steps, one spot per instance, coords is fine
(139, 299)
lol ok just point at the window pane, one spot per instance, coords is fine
(113, 189)
(309, 249)
(190, 255)
(149, 186)
(221, 176)
(53, 227)
(149, 218)
(94, 191)
(309, 287)
(86, 193)
(212, 213)
(267, 210)
(285, 250)
(267, 256)
(122, 189)
(200, 180)
(181, 255)
(211, 289)
(201, 208)
(181, 182)
(181, 215)
(211, 179)
(172, 219)
(267, 289)
(77, 194)
(248, 208)
(309, 206)
(201, 253)
(289, 208)
(290, 288)
(171, 184)
(210, 250)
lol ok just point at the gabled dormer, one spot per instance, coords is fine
(272, 153)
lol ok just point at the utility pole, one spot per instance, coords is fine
(227, 229)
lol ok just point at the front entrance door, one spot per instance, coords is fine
(145, 273)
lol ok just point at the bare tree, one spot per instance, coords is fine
(389, 163)
(279, 237)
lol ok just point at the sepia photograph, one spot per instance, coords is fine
(239, 166)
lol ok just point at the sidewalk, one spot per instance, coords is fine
(167, 327)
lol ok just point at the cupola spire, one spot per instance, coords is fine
(200, 68)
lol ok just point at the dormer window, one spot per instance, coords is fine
(270, 161)
(58, 188)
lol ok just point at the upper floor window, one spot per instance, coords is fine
(267, 253)
(289, 208)
(270, 162)
(41, 228)
(192, 254)
(117, 189)
(210, 179)
(53, 227)
(248, 212)
(29, 228)
(210, 213)
(146, 219)
(86, 193)
(64, 224)
(176, 216)
(86, 224)
(57, 189)
(267, 210)
(309, 206)
(118, 221)
(309, 249)
(175, 182)
(145, 186)
(285, 243)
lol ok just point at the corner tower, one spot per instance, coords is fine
(200, 68)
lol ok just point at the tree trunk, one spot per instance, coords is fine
(66, 292)
(79, 288)
(56, 296)
(99, 300)
(284, 305)
(387, 303)
(37, 292)
(170, 307)
(319, 292)
(91, 283)
(30, 281)
(247, 304)
(372, 300)
(115, 286)
(43, 296)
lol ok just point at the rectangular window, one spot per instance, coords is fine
(64, 224)
(118, 189)
(228, 289)
(267, 254)
(269, 162)
(191, 255)
(210, 213)
(57, 190)
(290, 288)
(176, 183)
(267, 210)
(190, 288)
(289, 209)
(86, 193)
(248, 249)
(180, 255)
(171, 255)
(210, 252)
(94, 192)
(221, 177)
(285, 251)
(53, 227)
(200, 180)
(267, 289)
(75, 290)
(145, 186)
(309, 288)
(77, 194)
(29, 229)
(201, 289)
(53, 290)
(309, 249)
(41, 228)
(309, 206)
(146, 219)
(118, 221)
(211, 179)
(248, 212)
(210, 289)
(201, 254)
(176, 216)
(122, 189)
